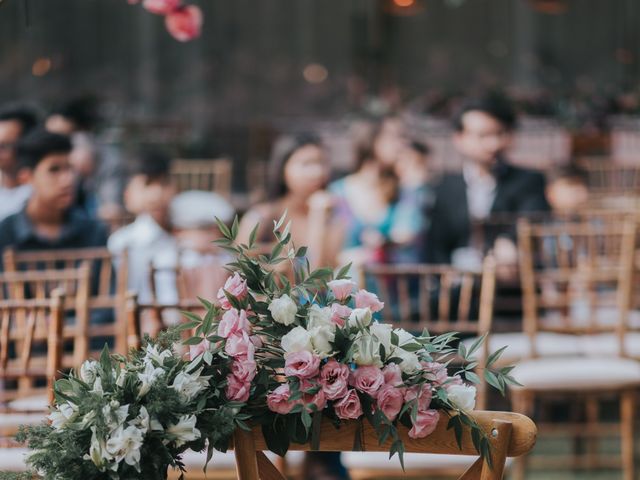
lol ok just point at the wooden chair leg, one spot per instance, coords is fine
(245, 452)
(627, 406)
(500, 437)
(522, 402)
(592, 411)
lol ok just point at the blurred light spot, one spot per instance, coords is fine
(41, 67)
(315, 73)
(550, 7)
(624, 56)
(404, 3)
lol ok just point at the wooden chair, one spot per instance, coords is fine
(30, 330)
(439, 298)
(612, 185)
(108, 287)
(211, 175)
(577, 280)
(510, 435)
(39, 285)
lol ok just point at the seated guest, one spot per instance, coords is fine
(48, 220)
(567, 190)
(148, 240)
(299, 173)
(15, 122)
(488, 185)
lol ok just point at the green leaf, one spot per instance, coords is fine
(276, 437)
(342, 273)
(252, 236)
(234, 228)
(455, 423)
(476, 345)
(492, 380)
(224, 229)
(495, 356)
(472, 377)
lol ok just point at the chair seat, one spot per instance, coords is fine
(519, 345)
(12, 459)
(35, 403)
(608, 344)
(194, 461)
(14, 420)
(577, 373)
(412, 461)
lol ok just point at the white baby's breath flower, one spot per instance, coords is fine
(62, 415)
(283, 309)
(185, 430)
(462, 396)
(124, 444)
(148, 377)
(360, 317)
(297, 340)
(89, 372)
(189, 385)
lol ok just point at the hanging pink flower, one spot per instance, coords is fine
(161, 7)
(185, 23)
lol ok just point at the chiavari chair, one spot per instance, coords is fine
(211, 175)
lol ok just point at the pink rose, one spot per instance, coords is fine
(334, 379)
(244, 369)
(233, 321)
(435, 372)
(369, 300)
(392, 375)
(339, 313)
(390, 401)
(278, 400)
(421, 393)
(239, 345)
(199, 349)
(237, 390)
(256, 340)
(303, 365)
(236, 287)
(185, 23)
(341, 288)
(161, 7)
(319, 399)
(349, 406)
(425, 424)
(367, 379)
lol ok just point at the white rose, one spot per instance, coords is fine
(410, 362)
(125, 443)
(404, 337)
(189, 385)
(360, 317)
(61, 416)
(462, 396)
(88, 372)
(185, 430)
(319, 317)
(321, 338)
(297, 340)
(367, 350)
(283, 310)
(382, 331)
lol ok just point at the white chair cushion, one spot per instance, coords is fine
(37, 403)
(12, 459)
(412, 461)
(608, 344)
(194, 461)
(577, 373)
(9, 420)
(519, 345)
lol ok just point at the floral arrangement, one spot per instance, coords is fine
(184, 22)
(280, 348)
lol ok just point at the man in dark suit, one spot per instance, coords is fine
(487, 186)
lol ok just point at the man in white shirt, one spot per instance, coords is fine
(15, 122)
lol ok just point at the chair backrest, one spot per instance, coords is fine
(606, 178)
(509, 434)
(576, 276)
(211, 175)
(440, 298)
(108, 286)
(31, 336)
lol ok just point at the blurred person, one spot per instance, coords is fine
(298, 176)
(415, 196)
(49, 219)
(148, 240)
(567, 190)
(366, 200)
(488, 185)
(15, 122)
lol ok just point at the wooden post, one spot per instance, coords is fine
(246, 461)
(500, 436)
(54, 350)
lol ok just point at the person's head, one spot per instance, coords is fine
(299, 166)
(72, 116)
(150, 189)
(483, 129)
(567, 189)
(382, 144)
(43, 162)
(412, 166)
(15, 122)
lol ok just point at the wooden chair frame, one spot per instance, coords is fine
(510, 435)
(211, 175)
